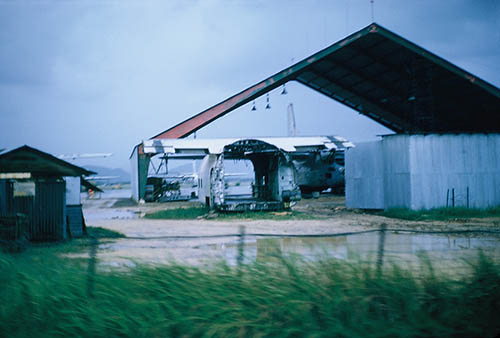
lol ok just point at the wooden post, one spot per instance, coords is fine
(381, 245)
(241, 246)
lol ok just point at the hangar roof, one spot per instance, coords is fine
(198, 148)
(30, 160)
(385, 77)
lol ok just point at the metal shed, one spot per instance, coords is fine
(31, 183)
(425, 171)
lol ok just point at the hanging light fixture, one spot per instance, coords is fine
(284, 92)
(253, 106)
(268, 106)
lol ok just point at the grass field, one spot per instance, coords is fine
(47, 295)
(195, 212)
(179, 213)
(440, 214)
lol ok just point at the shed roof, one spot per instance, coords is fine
(385, 77)
(88, 185)
(38, 163)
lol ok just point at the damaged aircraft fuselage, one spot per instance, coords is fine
(274, 185)
(282, 167)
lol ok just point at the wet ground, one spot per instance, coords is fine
(347, 234)
(447, 252)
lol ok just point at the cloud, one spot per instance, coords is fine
(100, 76)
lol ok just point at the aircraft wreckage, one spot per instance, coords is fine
(283, 166)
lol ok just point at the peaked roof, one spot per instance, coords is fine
(382, 76)
(38, 163)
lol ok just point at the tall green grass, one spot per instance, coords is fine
(47, 296)
(99, 232)
(440, 214)
(195, 212)
(258, 215)
(179, 213)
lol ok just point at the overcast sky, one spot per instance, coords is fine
(100, 76)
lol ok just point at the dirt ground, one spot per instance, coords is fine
(153, 241)
(331, 216)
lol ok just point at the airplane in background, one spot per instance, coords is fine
(80, 156)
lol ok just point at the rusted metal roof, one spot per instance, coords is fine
(30, 160)
(385, 77)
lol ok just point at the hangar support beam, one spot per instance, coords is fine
(200, 120)
(369, 72)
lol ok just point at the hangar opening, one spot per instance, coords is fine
(274, 184)
(239, 178)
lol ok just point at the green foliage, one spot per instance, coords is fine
(195, 212)
(76, 245)
(47, 296)
(179, 213)
(278, 216)
(98, 232)
(439, 214)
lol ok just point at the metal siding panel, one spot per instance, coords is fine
(5, 197)
(364, 170)
(419, 170)
(396, 160)
(49, 222)
(440, 163)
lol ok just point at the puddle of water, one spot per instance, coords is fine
(446, 252)
(100, 207)
(101, 214)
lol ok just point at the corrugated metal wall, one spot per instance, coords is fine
(464, 166)
(364, 169)
(425, 171)
(46, 211)
(396, 160)
(5, 197)
(49, 214)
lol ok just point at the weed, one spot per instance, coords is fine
(256, 215)
(195, 212)
(98, 232)
(179, 213)
(48, 297)
(439, 214)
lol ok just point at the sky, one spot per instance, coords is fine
(101, 76)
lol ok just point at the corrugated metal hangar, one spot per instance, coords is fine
(437, 106)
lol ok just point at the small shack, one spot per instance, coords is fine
(33, 183)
